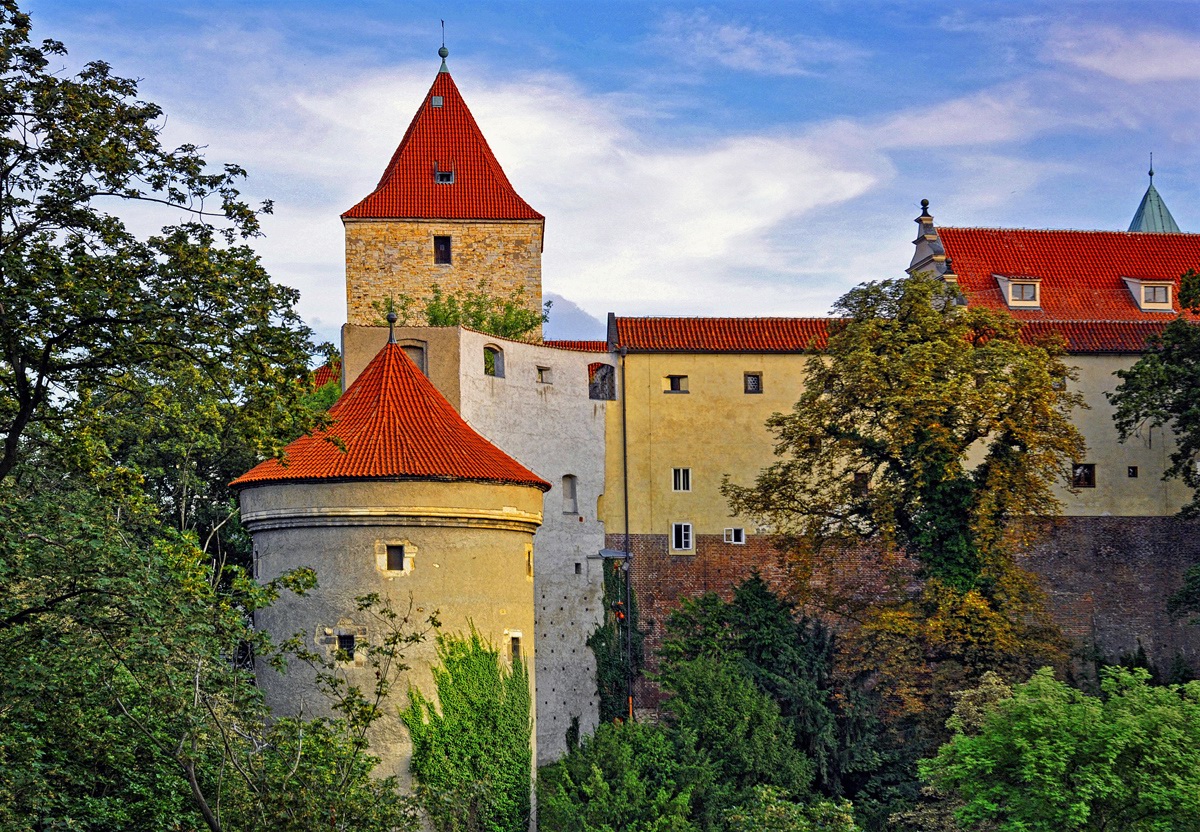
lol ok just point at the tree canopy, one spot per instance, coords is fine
(924, 426)
(1052, 759)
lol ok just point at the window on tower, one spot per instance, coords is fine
(441, 250)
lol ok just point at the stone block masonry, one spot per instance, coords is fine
(390, 258)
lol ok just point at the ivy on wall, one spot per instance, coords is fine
(613, 661)
(472, 758)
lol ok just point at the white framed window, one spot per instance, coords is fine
(1156, 294)
(681, 479)
(735, 536)
(1024, 292)
(681, 537)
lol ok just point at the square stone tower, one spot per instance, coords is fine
(443, 214)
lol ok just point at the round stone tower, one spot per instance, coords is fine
(402, 498)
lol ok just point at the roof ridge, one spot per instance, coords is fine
(1070, 231)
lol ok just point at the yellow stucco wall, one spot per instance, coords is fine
(473, 547)
(389, 258)
(717, 429)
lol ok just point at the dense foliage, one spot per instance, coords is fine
(478, 309)
(1163, 390)
(618, 645)
(1052, 759)
(924, 426)
(471, 758)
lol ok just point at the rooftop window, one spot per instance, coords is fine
(1151, 295)
(1020, 292)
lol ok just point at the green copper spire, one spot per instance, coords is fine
(1152, 215)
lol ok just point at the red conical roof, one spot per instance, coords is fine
(393, 424)
(443, 138)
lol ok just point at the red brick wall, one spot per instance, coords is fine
(1107, 581)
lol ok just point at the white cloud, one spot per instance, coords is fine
(1133, 57)
(697, 38)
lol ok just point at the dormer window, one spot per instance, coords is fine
(1150, 295)
(443, 177)
(1024, 292)
(435, 101)
(1020, 292)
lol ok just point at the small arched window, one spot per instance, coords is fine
(570, 495)
(416, 351)
(493, 361)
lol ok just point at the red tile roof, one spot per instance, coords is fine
(393, 424)
(444, 138)
(1080, 271)
(326, 373)
(1096, 337)
(577, 346)
(722, 334)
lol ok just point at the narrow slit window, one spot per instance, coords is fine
(514, 648)
(570, 498)
(395, 559)
(441, 250)
(681, 537)
(681, 479)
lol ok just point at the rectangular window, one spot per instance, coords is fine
(1154, 294)
(752, 382)
(675, 384)
(735, 536)
(1133, 472)
(395, 558)
(569, 494)
(544, 376)
(444, 177)
(435, 100)
(1024, 291)
(346, 643)
(681, 537)
(441, 250)
(1083, 475)
(681, 479)
(862, 483)
(514, 649)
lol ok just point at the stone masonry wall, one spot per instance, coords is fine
(1107, 581)
(395, 257)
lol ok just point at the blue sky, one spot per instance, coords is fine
(720, 159)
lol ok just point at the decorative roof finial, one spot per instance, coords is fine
(924, 207)
(443, 52)
(1151, 167)
(391, 319)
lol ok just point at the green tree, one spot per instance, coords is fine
(1052, 758)
(791, 659)
(129, 702)
(619, 646)
(626, 777)
(770, 811)
(732, 734)
(471, 755)
(1163, 389)
(923, 426)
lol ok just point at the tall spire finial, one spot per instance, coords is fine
(391, 319)
(443, 52)
(1151, 167)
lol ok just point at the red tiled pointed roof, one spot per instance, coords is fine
(447, 139)
(1081, 271)
(722, 334)
(393, 424)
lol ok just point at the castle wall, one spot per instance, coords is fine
(392, 257)
(468, 556)
(556, 430)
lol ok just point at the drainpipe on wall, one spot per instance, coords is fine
(628, 554)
